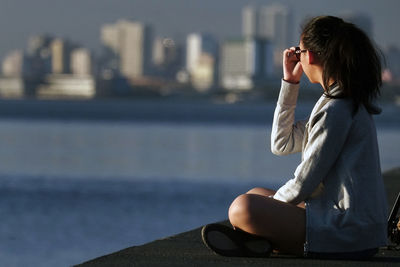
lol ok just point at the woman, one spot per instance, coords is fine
(335, 206)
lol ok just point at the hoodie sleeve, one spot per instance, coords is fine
(286, 135)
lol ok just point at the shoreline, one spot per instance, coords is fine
(163, 110)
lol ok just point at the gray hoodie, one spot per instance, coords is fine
(339, 176)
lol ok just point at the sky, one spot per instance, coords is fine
(81, 20)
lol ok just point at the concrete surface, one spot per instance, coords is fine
(187, 249)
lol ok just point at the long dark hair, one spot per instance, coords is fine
(348, 56)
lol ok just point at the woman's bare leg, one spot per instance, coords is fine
(281, 223)
(269, 192)
(262, 191)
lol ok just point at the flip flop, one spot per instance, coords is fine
(226, 241)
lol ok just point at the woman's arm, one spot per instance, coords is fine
(329, 129)
(287, 136)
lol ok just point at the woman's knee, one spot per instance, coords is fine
(240, 210)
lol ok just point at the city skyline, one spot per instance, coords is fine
(51, 64)
(82, 22)
(135, 58)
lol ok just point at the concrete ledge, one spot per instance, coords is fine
(187, 249)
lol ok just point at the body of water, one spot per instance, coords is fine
(72, 190)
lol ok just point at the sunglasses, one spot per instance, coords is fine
(298, 52)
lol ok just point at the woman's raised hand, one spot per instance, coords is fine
(292, 69)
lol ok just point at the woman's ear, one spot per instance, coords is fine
(312, 58)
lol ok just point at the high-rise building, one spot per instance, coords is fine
(57, 56)
(13, 64)
(38, 45)
(165, 51)
(74, 82)
(81, 62)
(167, 57)
(39, 56)
(202, 77)
(60, 56)
(70, 75)
(250, 22)
(67, 86)
(12, 84)
(159, 51)
(110, 36)
(245, 63)
(131, 42)
(201, 49)
(197, 44)
(274, 23)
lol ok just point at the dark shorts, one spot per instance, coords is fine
(356, 255)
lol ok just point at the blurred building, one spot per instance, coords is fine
(61, 56)
(67, 86)
(39, 60)
(245, 63)
(39, 45)
(250, 22)
(201, 60)
(12, 84)
(203, 76)
(81, 63)
(167, 57)
(22, 72)
(196, 45)
(13, 63)
(273, 23)
(163, 51)
(131, 42)
(70, 73)
(51, 67)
